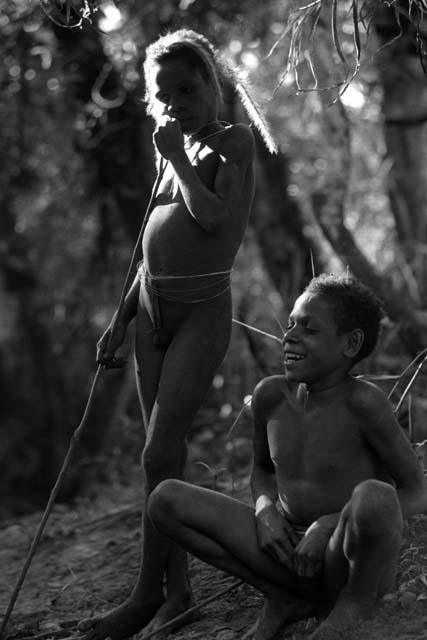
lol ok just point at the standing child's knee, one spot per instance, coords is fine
(160, 463)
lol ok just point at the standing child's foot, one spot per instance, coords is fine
(170, 609)
(119, 623)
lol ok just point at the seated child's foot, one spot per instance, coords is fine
(171, 608)
(119, 623)
(278, 611)
(344, 618)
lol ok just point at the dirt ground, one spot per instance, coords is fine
(88, 557)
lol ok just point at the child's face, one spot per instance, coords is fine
(181, 92)
(314, 350)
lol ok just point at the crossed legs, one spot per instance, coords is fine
(359, 565)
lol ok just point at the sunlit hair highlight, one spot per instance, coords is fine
(195, 49)
(355, 306)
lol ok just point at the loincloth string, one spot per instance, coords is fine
(156, 287)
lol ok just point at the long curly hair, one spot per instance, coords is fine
(202, 56)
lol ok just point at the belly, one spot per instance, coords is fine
(325, 489)
(175, 244)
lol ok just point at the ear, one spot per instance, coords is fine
(354, 343)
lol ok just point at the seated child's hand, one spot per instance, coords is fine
(310, 551)
(276, 535)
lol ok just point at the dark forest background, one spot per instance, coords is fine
(345, 192)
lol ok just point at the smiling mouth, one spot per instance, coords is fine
(291, 357)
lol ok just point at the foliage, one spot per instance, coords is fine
(77, 165)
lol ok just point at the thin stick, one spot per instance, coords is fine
(133, 259)
(73, 443)
(76, 435)
(313, 270)
(281, 327)
(196, 607)
(243, 407)
(410, 383)
(406, 369)
(264, 333)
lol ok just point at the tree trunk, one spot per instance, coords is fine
(404, 107)
(329, 203)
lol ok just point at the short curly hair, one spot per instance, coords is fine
(355, 306)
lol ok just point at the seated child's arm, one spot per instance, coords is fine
(392, 447)
(263, 478)
(275, 534)
(236, 152)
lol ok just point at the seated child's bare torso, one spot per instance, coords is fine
(318, 446)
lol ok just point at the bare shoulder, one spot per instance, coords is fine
(369, 403)
(237, 141)
(268, 394)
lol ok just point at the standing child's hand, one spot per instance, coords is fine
(276, 535)
(107, 346)
(168, 137)
(310, 551)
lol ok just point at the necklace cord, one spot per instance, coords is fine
(210, 135)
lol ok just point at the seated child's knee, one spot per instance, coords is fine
(162, 500)
(373, 502)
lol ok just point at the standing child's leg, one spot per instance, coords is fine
(366, 544)
(187, 367)
(191, 361)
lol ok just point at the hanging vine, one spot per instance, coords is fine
(344, 21)
(70, 14)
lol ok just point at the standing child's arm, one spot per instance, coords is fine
(235, 146)
(128, 313)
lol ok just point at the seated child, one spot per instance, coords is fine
(333, 477)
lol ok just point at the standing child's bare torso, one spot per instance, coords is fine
(174, 243)
(186, 268)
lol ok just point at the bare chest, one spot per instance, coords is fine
(316, 445)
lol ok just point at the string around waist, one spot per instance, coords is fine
(142, 268)
(178, 295)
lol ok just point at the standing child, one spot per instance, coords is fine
(181, 296)
(333, 477)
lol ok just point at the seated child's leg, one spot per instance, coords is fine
(222, 531)
(369, 534)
